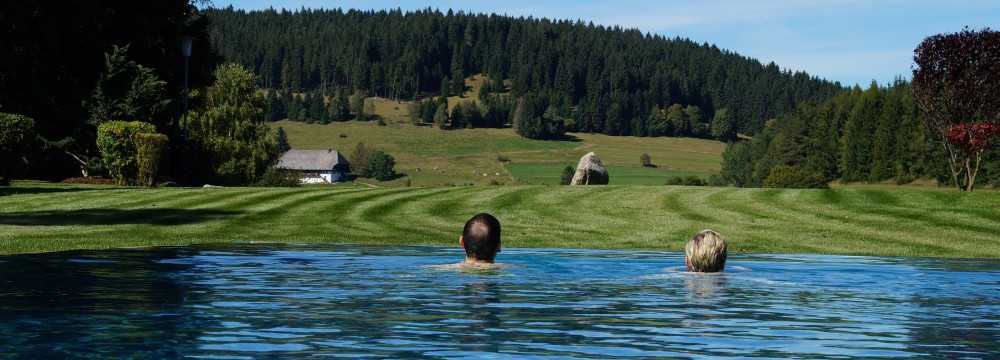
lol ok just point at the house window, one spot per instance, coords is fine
(310, 174)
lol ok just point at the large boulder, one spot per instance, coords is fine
(590, 171)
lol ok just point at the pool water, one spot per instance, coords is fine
(253, 301)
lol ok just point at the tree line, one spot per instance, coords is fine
(605, 79)
(862, 135)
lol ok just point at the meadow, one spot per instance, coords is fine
(40, 217)
(429, 156)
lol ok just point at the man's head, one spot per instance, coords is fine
(705, 252)
(481, 237)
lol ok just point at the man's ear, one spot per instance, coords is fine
(461, 241)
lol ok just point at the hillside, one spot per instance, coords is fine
(608, 79)
(900, 222)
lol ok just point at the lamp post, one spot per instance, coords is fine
(186, 52)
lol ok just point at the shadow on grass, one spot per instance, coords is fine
(22, 190)
(113, 217)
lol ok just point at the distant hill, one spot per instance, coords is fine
(608, 79)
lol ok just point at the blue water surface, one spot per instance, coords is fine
(254, 301)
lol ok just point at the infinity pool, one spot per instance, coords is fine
(306, 301)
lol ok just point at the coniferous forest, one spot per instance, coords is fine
(602, 79)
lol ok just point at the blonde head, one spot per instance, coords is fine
(705, 252)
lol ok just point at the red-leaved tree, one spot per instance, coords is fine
(956, 84)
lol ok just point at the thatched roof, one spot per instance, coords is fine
(311, 160)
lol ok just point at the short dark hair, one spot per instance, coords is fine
(481, 237)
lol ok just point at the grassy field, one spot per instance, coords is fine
(549, 174)
(429, 156)
(36, 217)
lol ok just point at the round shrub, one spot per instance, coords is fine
(794, 177)
(382, 166)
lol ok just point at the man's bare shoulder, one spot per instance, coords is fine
(469, 266)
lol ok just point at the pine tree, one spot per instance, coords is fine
(282, 141)
(441, 116)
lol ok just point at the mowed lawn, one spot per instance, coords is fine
(429, 156)
(36, 217)
(551, 174)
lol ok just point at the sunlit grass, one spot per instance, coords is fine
(36, 217)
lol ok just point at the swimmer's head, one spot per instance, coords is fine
(705, 252)
(481, 238)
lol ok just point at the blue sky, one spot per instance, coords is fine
(851, 41)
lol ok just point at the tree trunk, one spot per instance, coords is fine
(972, 171)
(953, 165)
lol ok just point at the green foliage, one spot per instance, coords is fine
(689, 180)
(737, 164)
(868, 135)
(678, 120)
(275, 177)
(127, 90)
(276, 108)
(723, 126)
(567, 175)
(150, 148)
(794, 177)
(117, 142)
(716, 180)
(381, 166)
(229, 136)
(281, 140)
(441, 116)
(17, 133)
(54, 54)
(360, 158)
(340, 107)
(357, 102)
(610, 76)
(534, 120)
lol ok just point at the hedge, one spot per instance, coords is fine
(117, 142)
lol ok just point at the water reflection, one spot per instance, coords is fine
(286, 301)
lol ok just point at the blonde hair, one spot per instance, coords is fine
(705, 252)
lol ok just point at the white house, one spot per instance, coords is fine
(317, 166)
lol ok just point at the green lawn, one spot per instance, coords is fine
(37, 217)
(549, 174)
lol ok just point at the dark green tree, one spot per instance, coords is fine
(382, 166)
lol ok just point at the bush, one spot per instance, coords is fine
(149, 150)
(689, 180)
(717, 180)
(274, 177)
(381, 166)
(17, 132)
(116, 140)
(794, 177)
(567, 175)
